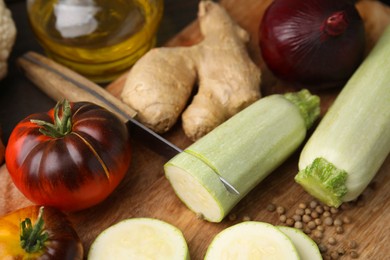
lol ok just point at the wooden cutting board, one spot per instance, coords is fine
(146, 193)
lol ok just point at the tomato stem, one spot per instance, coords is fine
(33, 237)
(61, 125)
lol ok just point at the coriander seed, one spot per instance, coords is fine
(302, 205)
(300, 211)
(271, 207)
(311, 225)
(297, 217)
(306, 218)
(283, 218)
(313, 204)
(320, 209)
(298, 225)
(290, 222)
(346, 220)
(339, 230)
(332, 241)
(338, 222)
(318, 234)
(352, 244)
(280, 210)
(246, 218)
(354, 254)
(328, 221)
(334, 255)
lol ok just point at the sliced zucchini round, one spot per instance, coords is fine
(140, 238)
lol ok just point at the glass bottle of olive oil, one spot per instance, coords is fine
(100, 39)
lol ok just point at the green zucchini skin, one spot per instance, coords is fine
(353, 138)
(243, 150)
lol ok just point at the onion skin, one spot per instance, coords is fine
(312, 44)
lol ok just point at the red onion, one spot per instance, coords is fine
(312, 43)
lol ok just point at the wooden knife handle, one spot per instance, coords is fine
(59, 83)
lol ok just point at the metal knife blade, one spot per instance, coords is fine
(59, 82)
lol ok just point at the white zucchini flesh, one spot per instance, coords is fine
(306, 247)
(251, 240)
(243, 150)
(353, 139)
(140, 238)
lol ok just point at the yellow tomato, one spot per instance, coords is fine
(38, 233)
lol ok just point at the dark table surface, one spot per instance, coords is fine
(20, 98)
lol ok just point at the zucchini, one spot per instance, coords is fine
(353, 139)
(140, 238)
(243, 150)
(306, 247)
(252, 240)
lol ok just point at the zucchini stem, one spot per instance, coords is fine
(308, 105)
(324, 181)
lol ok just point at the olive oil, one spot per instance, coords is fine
(100, 39)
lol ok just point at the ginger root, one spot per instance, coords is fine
(161, 82)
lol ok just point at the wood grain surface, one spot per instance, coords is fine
(145, 192)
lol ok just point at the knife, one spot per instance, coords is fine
(59, 82)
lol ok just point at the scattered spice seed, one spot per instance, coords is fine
(298, 225)
(334, 210)
(346, 220)
(314, 214)
(334, 255)
(290, 222)
(300, 211)
(338, 222)
(323, 248)
(352, 244)
(232, 217)
(354, 254)
(320, 209)
(307, 230)
(328, 221)
(306, 218)
(313, 204)
(283, 218)
(297, 217)
(318, 221)
(320, 228)
(246, 218)
(341, 251)
(311, 225)
(271, 207)
(302, 205)
(339, 230)
(344, 206)
(318, 234)
(280, 210)
(199, 216)
(307, 211)
(326, 214)
(332, 241)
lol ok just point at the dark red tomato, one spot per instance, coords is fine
(71, 158)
